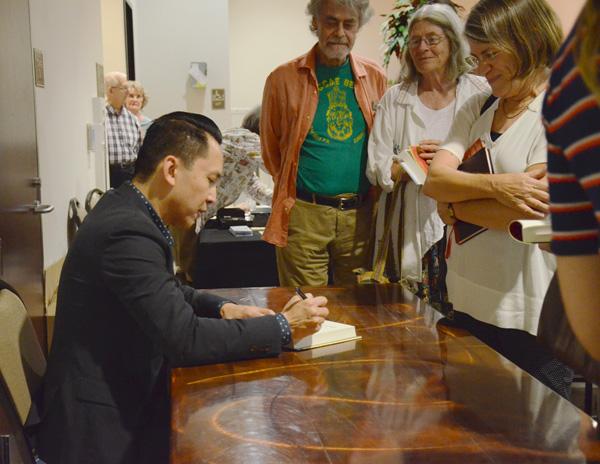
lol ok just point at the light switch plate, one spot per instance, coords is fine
(99, 80)
(38, 67)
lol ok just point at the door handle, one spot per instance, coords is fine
(36, 208)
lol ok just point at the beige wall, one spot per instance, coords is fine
(266, 33)
(171, 35)
(69, 34)
(113, 35)
(567, 11)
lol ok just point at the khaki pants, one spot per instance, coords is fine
(318, 235)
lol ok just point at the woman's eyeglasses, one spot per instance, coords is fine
(486, 57)
(430, 41)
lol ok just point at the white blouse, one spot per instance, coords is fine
(398, 124)
(492, 277)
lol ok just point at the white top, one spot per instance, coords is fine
(492, 277)
(398, 124)
(437, 122)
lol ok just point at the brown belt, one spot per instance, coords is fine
(342, 202)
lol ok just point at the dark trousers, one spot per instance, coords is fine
(120, 172)
(521, 348)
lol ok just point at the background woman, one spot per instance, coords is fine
(241, 162)
(572, 112)
(419, 111)
(136, 100)
(497, 285)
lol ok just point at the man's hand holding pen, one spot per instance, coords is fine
(305, 314)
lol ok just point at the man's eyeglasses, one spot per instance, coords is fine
(486, 57)
(430, 41)
(120, 87)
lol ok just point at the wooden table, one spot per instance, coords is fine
(413, 390)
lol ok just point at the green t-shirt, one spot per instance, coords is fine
(333, 157)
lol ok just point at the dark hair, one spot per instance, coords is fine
(251, 121)
(183, 135)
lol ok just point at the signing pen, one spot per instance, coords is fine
(300, 293)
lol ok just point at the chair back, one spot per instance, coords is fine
(92, 198)
(77, 214)
(15, 445)
(22, 361)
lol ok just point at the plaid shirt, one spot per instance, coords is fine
(123, 135)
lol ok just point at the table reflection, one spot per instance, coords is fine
(412, 390)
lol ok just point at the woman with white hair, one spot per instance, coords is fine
(136, 101)
(419, 112)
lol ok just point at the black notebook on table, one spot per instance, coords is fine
(477, 160)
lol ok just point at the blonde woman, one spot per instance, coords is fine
(419, 111)
(136, 101)
(495, 284)
(572, 113)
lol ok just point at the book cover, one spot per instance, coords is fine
(477, 160)
(415, 166)
(531, 230)
(328, 350)
(331, 332)
(240, 231)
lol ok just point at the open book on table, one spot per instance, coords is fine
(477, 160)
(330, 332)
(531, 230)
(415, 166)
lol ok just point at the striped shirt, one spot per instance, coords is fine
(123, 135)
(572, 119)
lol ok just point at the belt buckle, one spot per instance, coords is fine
(346, 203)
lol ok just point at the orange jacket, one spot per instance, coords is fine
(289, 104)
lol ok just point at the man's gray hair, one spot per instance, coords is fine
(113, 79)
(445, 17)
(251, 121)
(362, 7)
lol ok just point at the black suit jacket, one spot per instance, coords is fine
(122, 319)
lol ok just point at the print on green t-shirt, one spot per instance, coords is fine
(334, 155)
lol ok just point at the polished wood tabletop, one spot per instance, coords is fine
(412, 390)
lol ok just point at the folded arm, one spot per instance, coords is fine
(490, 213)
(133, 268)
(526, 192)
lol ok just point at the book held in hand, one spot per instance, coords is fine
(415, 166)
(531, 230)
(477, 160)
(330, 332)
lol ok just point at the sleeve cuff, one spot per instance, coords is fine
(221, 304)
(286, 332)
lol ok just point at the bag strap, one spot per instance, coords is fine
(489, 102)
(382, 254)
